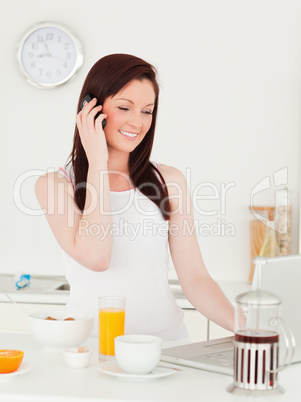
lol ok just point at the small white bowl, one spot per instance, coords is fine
(56, 335)
(75, 358)
(137, 354)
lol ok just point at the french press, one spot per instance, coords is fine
(258, 326)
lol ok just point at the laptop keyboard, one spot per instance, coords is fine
(225, 359)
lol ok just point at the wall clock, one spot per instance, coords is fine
(49, 54)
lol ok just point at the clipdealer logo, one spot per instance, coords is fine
(206, 199)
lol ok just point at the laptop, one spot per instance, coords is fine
(281, 276)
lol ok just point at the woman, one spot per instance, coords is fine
(115, 212)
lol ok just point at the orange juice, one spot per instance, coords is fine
(111, 324)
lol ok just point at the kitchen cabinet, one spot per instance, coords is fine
(215, 331)
(197, 325)
(201, 329)
(44, 294)
(14, 320)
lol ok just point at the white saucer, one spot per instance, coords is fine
(111, 367)
(24, 367)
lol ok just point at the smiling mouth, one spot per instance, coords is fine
(128, 134)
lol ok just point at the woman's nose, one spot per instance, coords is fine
(135, 120)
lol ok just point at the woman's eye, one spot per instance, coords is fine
(123, 108)
(147, 112)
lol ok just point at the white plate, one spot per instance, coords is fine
(24, 367)
(111, 367)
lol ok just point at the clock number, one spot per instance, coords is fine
(68, 55)
(33, 64)
(49, 74)
(49, 36)
(58, 72)
(66, 64)
(40, 71)
(66, 45)
(30, 55)
(59, 39)
(34, 46)
(40, 38)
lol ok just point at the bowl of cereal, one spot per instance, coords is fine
(57, 331)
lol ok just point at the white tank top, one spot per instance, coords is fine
(138, 269)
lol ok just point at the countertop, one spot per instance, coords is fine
(50, 380)
(54, 290)
(42, 289)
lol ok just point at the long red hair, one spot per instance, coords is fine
(106, 78)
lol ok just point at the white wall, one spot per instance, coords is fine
(230, 75)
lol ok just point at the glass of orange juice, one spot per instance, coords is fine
(111, 323)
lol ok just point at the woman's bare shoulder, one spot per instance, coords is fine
(49, 181)
(55, 176)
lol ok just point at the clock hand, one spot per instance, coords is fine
(47, 50)
(57, 58)
(50, 55)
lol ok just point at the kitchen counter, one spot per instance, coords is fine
(55, 290)
(49, 379)
(52, 293)
(42, 289)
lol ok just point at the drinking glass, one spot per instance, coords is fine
(111, 323)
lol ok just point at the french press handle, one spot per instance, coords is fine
(289, 340)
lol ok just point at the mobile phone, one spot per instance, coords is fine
(88, 99)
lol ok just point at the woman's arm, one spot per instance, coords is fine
(84, 236)
(198, 286)
(76, 233)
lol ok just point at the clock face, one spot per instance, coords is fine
(49, 55)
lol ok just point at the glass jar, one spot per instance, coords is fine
(283, 219)
(261, 216)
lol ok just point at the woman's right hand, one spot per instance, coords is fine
(91, 133)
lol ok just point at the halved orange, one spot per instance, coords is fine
(10, 360)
